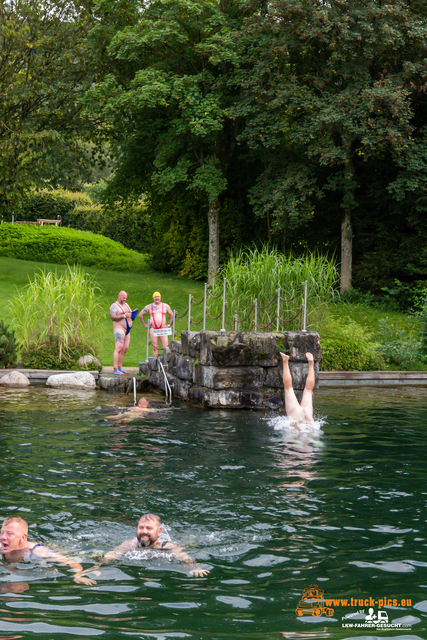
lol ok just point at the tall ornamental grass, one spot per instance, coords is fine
(258, 274)
(56, 314)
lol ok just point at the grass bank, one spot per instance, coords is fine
(140, 286)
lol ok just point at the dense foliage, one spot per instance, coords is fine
(297, 122)
(8, 345)
(55, 317)
(68, 246)
(259, 274)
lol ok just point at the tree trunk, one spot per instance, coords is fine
(213, 220)
(346, 252)
(346, 230)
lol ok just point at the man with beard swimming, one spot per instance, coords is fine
(148, 531)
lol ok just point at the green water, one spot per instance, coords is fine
(268, 510)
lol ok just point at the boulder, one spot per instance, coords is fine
(113, 383)
(143, 368)
(180, 388)
(75, 380)
(236, 348)
(90, 362)
(299, 342)
(234, 398)
(15, 379)
(299, 371)
(175, 346)
(184, 368)
(190, 343)
(152, 363)
(274, 377)
(228, 378)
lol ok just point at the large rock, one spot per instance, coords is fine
(299, 371)
(76, 380)
(184, 368)
(236, 348)
(180, 388)
(14, 379)
(190, 343)
(234, 399)
(113, 383)
(175, 346)
(299, 342)
(229, 378)
(143, 368)
(90, 362)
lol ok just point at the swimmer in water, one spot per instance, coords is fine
(14, 547)
(134, 412)
(147, 537)
(296, 412)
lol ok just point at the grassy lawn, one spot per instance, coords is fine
(175, 291)
(372, 318)
(139, 287)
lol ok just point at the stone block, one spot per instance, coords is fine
(90, 362)
(235, 349)
(166, 354)
(190, 343)
(273, 377)
(299, 371)
(184, 368)
(175, 347)
(143, 368)
(181, 388)
(173, 359)
(228, 378)
(76, 380)
(15, 379)
(226, 398)
(298, 343)
(152, 363)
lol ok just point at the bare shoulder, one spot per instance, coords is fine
(114, 308)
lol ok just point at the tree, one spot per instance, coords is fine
(44, 71)
(334, 86)
(168, 104)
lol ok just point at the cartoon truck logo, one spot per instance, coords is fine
(313, 603)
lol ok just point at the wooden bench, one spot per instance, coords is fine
(42, 221)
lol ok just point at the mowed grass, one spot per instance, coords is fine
(15, 274)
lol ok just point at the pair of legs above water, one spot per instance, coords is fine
(295, 411)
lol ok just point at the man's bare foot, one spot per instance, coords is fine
(285, 358)
(309, 356)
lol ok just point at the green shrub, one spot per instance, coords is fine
(46, 356)
(8, 346)
(397, 348)
(258, 274)
(346, 346)
(68, 246)
(55, 318)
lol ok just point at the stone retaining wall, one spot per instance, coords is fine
(233, 369)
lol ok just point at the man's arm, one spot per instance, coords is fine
(115, 553)
(141, 314)
(170, 312)
(197, 571)
(117, 314)
(48, 554)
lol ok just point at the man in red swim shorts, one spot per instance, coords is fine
(157, 313)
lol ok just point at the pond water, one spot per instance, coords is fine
(269, 510)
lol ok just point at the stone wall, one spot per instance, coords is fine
(233, 369)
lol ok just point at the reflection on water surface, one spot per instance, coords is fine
(270, 511)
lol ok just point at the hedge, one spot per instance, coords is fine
(60, 245)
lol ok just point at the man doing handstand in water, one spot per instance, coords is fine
(299, 413)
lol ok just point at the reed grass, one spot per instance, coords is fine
(57, 309)
(258, 274)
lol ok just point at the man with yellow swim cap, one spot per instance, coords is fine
(157, 313)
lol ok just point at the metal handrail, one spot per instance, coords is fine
(168, 389)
